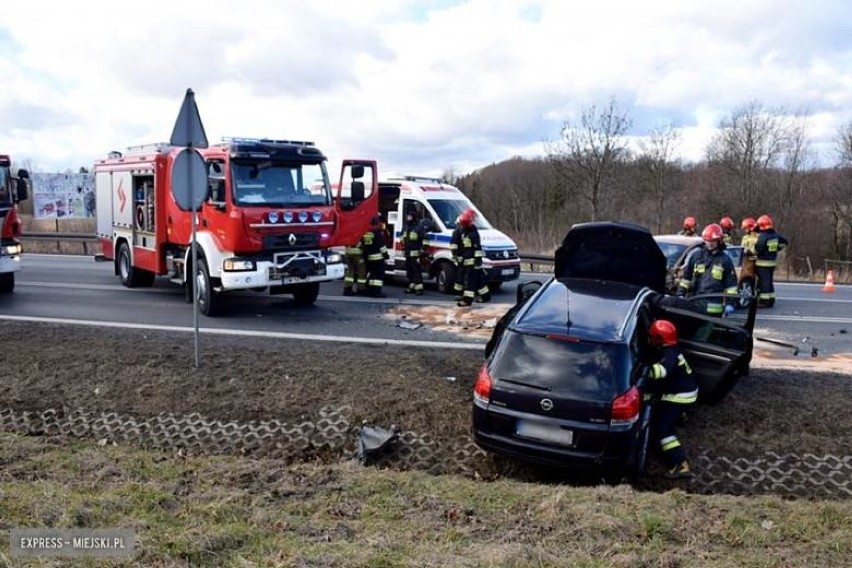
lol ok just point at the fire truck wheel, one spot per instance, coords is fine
(306, 294)
(208, 298)
(7, 282)
(131, 276)
(445, 277)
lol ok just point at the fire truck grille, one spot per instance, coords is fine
(291, 242)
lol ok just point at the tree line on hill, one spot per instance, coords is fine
(759, 161)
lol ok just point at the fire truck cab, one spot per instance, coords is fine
(267, 223)
(12, 190)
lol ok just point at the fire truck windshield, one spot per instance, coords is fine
(5, 187)
(280, 184)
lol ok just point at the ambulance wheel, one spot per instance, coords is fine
(131, 276)
(208, 298)
(7, 282)
(446, 277)
(306, 294)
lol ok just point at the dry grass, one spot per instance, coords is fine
(218, 511)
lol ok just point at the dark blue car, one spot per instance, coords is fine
(562, 383)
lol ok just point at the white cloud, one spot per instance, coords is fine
(419, 86)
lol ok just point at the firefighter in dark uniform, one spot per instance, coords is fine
(355, 275)
(375, 252)
(709, 270)
(768, 244)
(689, 224)
(671, 380)
(413, 241)
(469, 255)
(727, 225)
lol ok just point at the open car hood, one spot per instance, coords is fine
(620, 252)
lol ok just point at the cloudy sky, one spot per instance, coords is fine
(420, 86)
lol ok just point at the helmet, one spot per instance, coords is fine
(467, 218)
(689, 223)
(662, 333)
(748, 224)
(712, 232)
(764, 222)
(727, 223)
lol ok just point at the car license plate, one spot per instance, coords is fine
(545, 433)
(508, 272)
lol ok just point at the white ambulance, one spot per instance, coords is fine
(440, 204)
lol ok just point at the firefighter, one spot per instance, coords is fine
(355, 275)
(688, 227)
(727, 225)
(375, 252)
(749, 239)
(709, 270)
(413, 241)
(671, 380)
(766, 249)
(467, 249)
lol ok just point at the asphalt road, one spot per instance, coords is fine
(77, 288)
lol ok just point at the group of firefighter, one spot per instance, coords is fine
(365, 261)
(710, 271)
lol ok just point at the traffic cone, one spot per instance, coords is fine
(829, 282)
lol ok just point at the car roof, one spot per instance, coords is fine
(678, 239)
(598, 310)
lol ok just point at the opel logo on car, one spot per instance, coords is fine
(546, 404)
(291, 239)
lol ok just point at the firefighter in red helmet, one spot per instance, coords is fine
(375, 252)
(727, 225)
(709, 270)
(689, 225)
(769, 244)
(671, 380)
(467, 252)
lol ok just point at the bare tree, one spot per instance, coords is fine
(750, 142)
(660, 166)
(587, 154)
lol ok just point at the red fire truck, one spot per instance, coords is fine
(268, 222)
(12, 190)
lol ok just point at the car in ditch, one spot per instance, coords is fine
(563, 382)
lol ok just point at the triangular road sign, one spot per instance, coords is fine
(189, 131)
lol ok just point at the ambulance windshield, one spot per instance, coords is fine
(448, 211)
(280, 184)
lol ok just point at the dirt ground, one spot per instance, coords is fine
(422, 390)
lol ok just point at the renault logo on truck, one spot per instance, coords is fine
(291, 239)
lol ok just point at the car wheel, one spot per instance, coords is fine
(7, 282)
(306, 294)
(494, 286)
(446, 277)
(208, 298)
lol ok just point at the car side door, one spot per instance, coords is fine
(718, 350)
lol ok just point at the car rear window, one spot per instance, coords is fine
(578, 369)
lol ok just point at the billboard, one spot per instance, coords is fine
(63, 196)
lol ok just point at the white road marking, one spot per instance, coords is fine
(251, 333)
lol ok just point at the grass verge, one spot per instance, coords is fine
(221, 511)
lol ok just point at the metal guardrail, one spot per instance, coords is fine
(84, 240)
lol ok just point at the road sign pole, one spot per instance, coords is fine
(194, 266)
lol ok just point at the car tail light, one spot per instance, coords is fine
(482, 388)
(626, 408)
